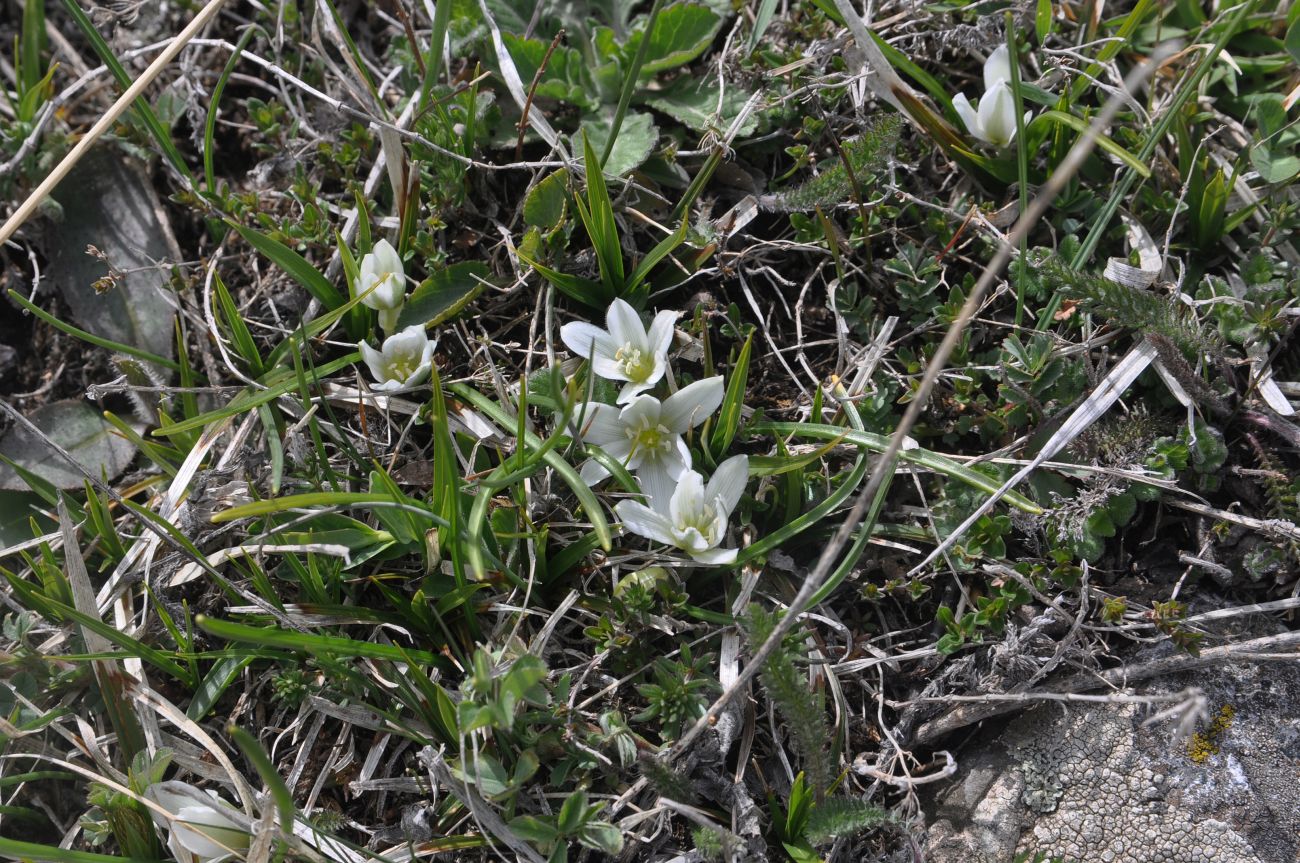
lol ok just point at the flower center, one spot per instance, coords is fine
(399, 368)
(703, 519)
(633, 362)
(651, 439)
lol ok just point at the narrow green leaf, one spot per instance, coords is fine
(728, 421)
(17, 850)
(32, 46)
(590, 505)
(1080, 125)
(90, 338)
(280, 793)
(240, 337)
(210, 125)
(144, 113)
(598, 218)
(312, 644)
(223, 673)
(249, 399)
(292, 263)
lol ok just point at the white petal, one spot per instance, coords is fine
(386, 258)
(625, 325)
(374, 359)
(677, 460)
(592, 472)
(165, 795)
(658, 485)
(391, 292)
(632, 389)
(715, 556)
(968, 116)
(410, 342)
(691, 540)
(386, 386)
(728, 482)
(643, 521)
(997, 68)
(587, 341)
(207, 833)
(688, 500)
(661, 332)
(601, 423)
(998, 115)
(642, 412)
(692, 404)
(608, 369)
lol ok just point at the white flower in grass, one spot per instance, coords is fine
(625, 351)
(993, 119)
(198, 831)
(695, 519)
(204, 828)
(382, 270)
(646, 435)
(404, 360)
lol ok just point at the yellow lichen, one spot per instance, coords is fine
(1205, 743)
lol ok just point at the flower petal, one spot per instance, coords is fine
(208, 833)
(715, 556)
(418, 376)
(968, 115)
(661, 332)
(625, 325)
(632, 389)
(601, 423)
(165, 795)
(658, 484)
(386, 258)
(688, 501)
(692, 404)
(677, 460)
(588, 341)
(641, 413)
(728, 482)
(374, 359)
(643, 521)
(997, 68)
(592, 472)
(998, 115)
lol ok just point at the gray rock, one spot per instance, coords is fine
(1089, 782)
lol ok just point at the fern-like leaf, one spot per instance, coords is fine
(803, 709)
(833, 186)
(1129, 307)
(842, 816)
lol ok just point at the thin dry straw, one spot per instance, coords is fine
(110, 117)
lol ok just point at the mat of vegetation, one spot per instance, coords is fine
(661, 430)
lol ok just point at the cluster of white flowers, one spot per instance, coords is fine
(406, 357)
(646, 435)
(993, 118)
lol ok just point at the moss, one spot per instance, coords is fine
(1204, 744)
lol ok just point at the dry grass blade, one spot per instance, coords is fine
(104, 123)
